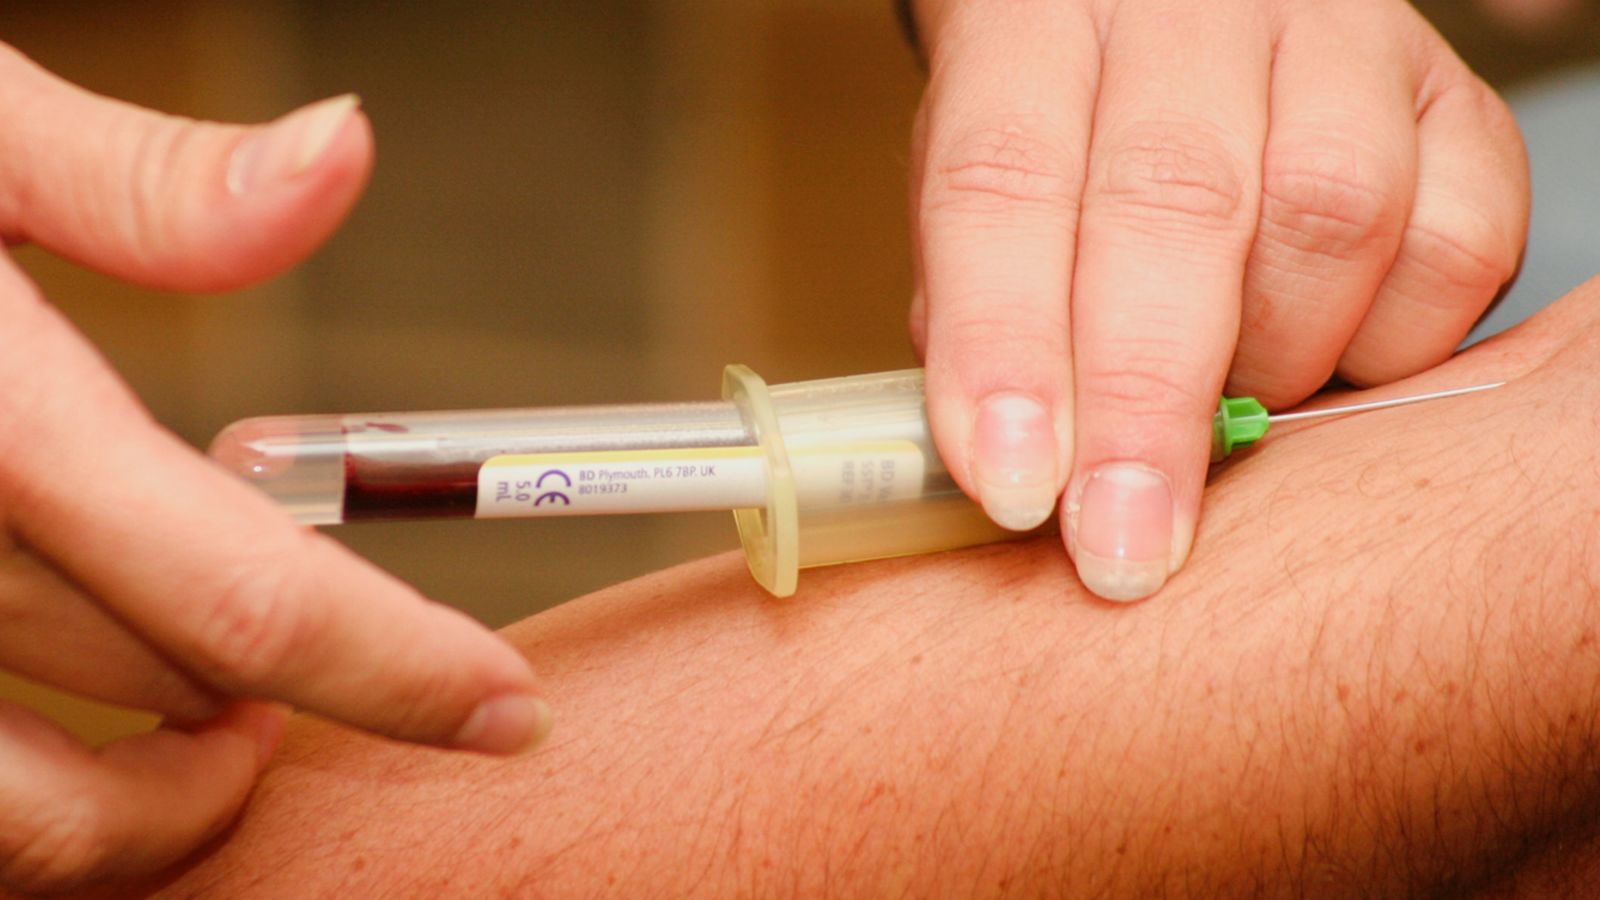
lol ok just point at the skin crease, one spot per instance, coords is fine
(1326, 187)
(1376, 678)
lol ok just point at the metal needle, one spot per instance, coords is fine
(1379, 404)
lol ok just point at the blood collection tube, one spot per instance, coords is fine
(328, 469)
(817, 472)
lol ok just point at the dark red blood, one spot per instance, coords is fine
(379, 490)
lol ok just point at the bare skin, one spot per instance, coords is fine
(1375, 678)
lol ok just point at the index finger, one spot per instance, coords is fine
(216, 576)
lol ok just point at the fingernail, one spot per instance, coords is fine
(513, 723)
(1014, 460)
(1121, 531)
(288, 147)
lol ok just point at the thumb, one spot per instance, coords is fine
(168, 202)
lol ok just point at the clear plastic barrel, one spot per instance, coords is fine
(326, 469)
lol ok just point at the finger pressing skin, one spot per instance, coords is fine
(169, 202)
(216, 577)
(1338, 177)
(1464, 237)
(54, 634)
(1168, 216)
(69, 816)
(1007, 114)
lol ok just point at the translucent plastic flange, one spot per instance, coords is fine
(770, 536)
(853, 475)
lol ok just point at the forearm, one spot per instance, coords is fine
(1377, 674)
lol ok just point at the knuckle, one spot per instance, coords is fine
(1010, 330)
(255, 620)
(63, 846)
(1139, 381)
(1175, 172)
(1472, 255)
(159, 214)
(1328, 198)
(1002, 167)
(1490, 110)
(149, 221)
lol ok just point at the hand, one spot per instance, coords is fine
(1121, 207)
(133, 571)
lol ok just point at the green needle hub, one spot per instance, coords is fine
(1239, 422)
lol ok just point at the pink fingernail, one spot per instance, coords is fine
(1122, 531)
(289, 146)
(1014, 460)
(509, 724)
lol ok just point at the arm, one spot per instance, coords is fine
(1376, 676)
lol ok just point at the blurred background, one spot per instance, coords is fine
(575, 201)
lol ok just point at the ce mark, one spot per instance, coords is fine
(553, 496)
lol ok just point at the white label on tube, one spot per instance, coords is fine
(621, 481)
(682, 479)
